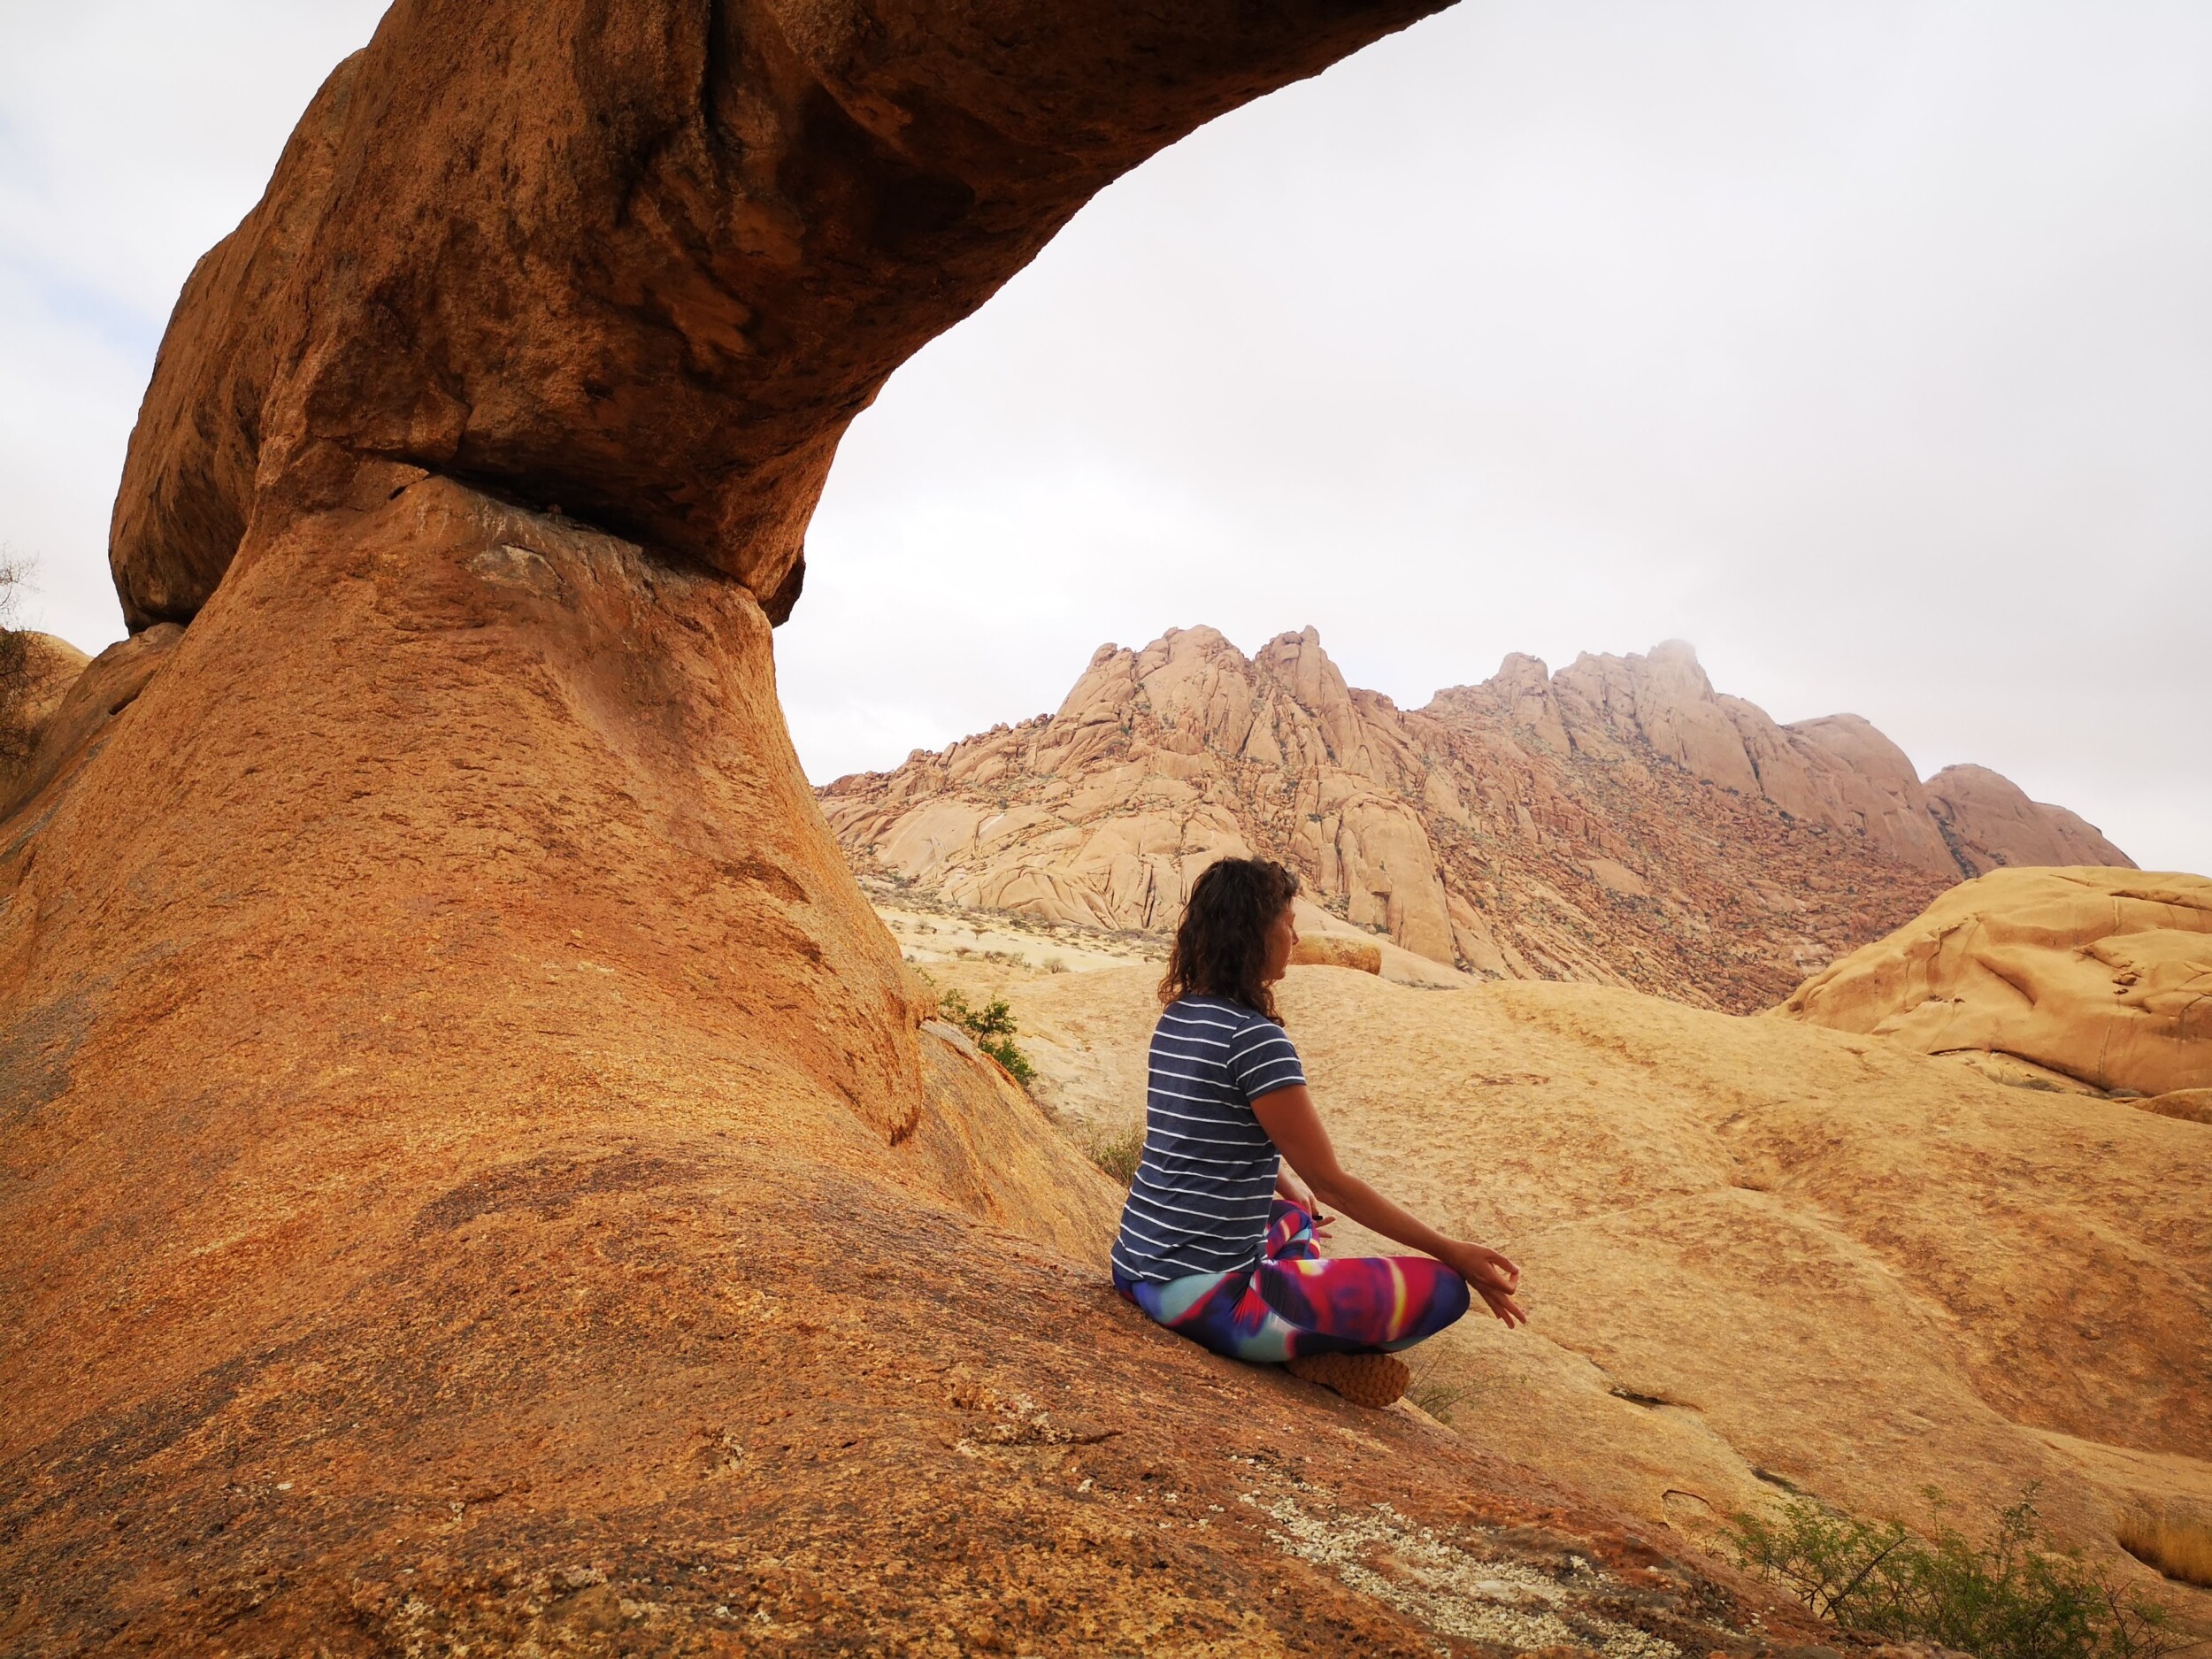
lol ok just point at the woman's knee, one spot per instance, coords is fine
(1449, 1298)
(1290, 1232)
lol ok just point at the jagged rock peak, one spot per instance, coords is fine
(1619, 820)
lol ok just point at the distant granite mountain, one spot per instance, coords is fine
(1618, 822)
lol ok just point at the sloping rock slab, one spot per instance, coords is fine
(2104, 975)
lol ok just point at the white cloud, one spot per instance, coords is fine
(1860, 346)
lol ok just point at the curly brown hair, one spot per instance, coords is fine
(1221, 946)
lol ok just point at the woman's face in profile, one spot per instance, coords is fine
(1282, 938)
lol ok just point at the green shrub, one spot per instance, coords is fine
(992, 1029)
(1117, 1151)
(2015, 1598)
(1436, 1391)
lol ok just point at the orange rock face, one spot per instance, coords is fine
(2102, 976)
(1618, 822)
(646, 261)
(476, 1175)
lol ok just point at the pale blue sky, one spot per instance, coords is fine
(1866, 347)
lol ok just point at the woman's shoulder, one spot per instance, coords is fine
(1215, 1010)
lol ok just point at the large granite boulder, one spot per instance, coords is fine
(645, 259)
(1991, 823)
(36, 671)
(2101, 975)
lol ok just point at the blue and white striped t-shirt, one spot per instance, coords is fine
(1199, 1201)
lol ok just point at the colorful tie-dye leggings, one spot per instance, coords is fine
(1297, 1302)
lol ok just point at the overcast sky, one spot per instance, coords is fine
(1866, 346)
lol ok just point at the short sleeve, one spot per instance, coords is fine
(1261, 1060)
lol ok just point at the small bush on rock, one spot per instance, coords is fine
(14, 666)
(993, 1030)
(1117, 1151)
(1435, 1391)
(2015, 1598)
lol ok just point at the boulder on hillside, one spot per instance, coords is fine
(2102, 975)
(1871, 786)
(1990, 824)
(1337, 950)
(78, 701)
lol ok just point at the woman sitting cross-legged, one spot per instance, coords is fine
(1218, 1241)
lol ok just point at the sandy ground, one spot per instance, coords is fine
(928, 938)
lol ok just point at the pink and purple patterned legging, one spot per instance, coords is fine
(1298, 1302)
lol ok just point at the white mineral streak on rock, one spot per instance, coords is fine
(1453, 1592)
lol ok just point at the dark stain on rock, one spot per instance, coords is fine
(35, 1055)
(545, 1187)
(760, 873)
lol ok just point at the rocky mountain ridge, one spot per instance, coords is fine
(1617, 822)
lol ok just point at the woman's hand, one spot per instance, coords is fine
(1291, 1122)
(1492, 1276)
(1288, 1185)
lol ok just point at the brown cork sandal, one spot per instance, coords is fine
(1366, 1379)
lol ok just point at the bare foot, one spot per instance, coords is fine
(1365, 1380)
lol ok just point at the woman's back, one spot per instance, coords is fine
(1199, 1201)
(1219, 1242)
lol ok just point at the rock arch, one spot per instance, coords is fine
(647, 258)
(476, 1172)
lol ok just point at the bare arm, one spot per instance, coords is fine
(1288, 1185)
(1292, 1123)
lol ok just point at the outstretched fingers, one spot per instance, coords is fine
(1501, 1304)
